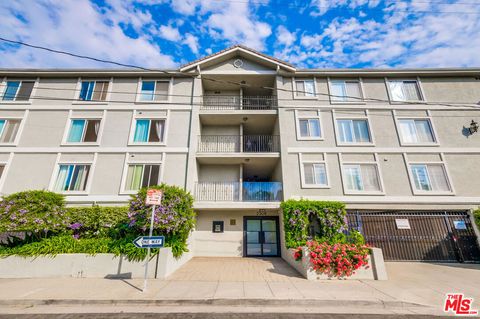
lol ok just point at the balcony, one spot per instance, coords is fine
(238, 192)
(237, 102)
(238, 143)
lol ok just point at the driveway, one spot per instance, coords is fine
(233, 269)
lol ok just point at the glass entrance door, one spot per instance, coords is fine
(261, 237)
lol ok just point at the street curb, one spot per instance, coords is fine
(218, 302)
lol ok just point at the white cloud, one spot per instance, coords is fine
(285, 37)
(169, 33)
(192, 42)
(76, 26)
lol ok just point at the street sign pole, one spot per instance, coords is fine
(148, 250)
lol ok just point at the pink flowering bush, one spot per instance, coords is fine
(336, 260)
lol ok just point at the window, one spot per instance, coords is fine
(18, 90)
(310, 128)
(142, 175)
(353, 131)
(430, 178)
(305, 88)
(154, 91)
(404, 90)
(361, 177)
(72, 177)
(416, 131)
(315, 174)
(2, 168)
(94, 90)
(8, 130)
(149, 131)
(345, 91)
(83, 131)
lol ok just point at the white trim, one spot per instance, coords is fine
(307, 117)
(419, 87)
(360, 86)
(128, 161)
(169, 90)
(78, 90)
(3, 84)
(390, 150)
(21, 126)
(113, 150)
(294, 89)
(137, 116)
(415, 191)
(56, 170)
(72, 116)
(428, 117)
(365, 117)
(379, 175)
(6, 168)
(301, 162)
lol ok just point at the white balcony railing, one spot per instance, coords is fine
(230, 191)
(238, 143)
(236, 102)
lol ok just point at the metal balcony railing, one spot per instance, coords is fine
(238, 143)
(236, 191)
(236, 102)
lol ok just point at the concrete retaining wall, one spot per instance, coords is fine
(376, 271)
(86, 266)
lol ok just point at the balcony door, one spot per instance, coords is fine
(261, 237)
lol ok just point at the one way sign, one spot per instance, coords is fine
(152, 242)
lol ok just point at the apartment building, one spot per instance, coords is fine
(243, 131)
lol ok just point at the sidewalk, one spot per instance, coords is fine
(413, 288)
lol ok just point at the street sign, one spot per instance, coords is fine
(154, 197)
(149, 241)
(459, 224)
(402, 223)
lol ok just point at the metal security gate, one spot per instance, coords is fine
(421, 236)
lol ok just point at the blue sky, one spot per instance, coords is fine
(309, 33)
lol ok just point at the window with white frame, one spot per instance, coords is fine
(149, 131)
(142, 175)
(83, 130)
(72, 177)
(345, 91)
(154, 90)
(94, 90)
(308, 125)
(430, 177)
(315, 174)
(353, 131)
(416, 131)
(404, 90)
(9, 130)
(18, 90)
(305, 88)
(361, 178)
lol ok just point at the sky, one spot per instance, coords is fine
(309, 33)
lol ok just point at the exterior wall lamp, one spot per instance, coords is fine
(473, 127)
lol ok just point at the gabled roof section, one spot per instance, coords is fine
(242, 50)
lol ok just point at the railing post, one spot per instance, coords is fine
(240, 186)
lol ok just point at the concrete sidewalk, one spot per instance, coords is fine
(413, 288)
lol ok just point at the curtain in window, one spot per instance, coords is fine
(141, 131)
(309, 173)
(309, 88)
(10, 131)
(134, 177)
(320, 174)
(345, 130)
(424, 131)
(338, 90)
(353, 180)
(396, 90)
(100, 91)
(304, 131)
(420, 177)
(300, 88)
(314, 127)
(352, 89)
(76, 131)
(87, 90)
(147, 92)
(438, 178)
(63, 179)
(408, 131)
(370, 178)
(79, 178)
(11, 90)
(159, 125)
(410, 91)
(25, 91)
(161, 91)
(360, 128)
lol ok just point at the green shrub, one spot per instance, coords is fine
(39, 212)
(476, 216)
(328, 217)
(98, 221)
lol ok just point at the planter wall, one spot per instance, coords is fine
(376, 271)
(87, 266)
